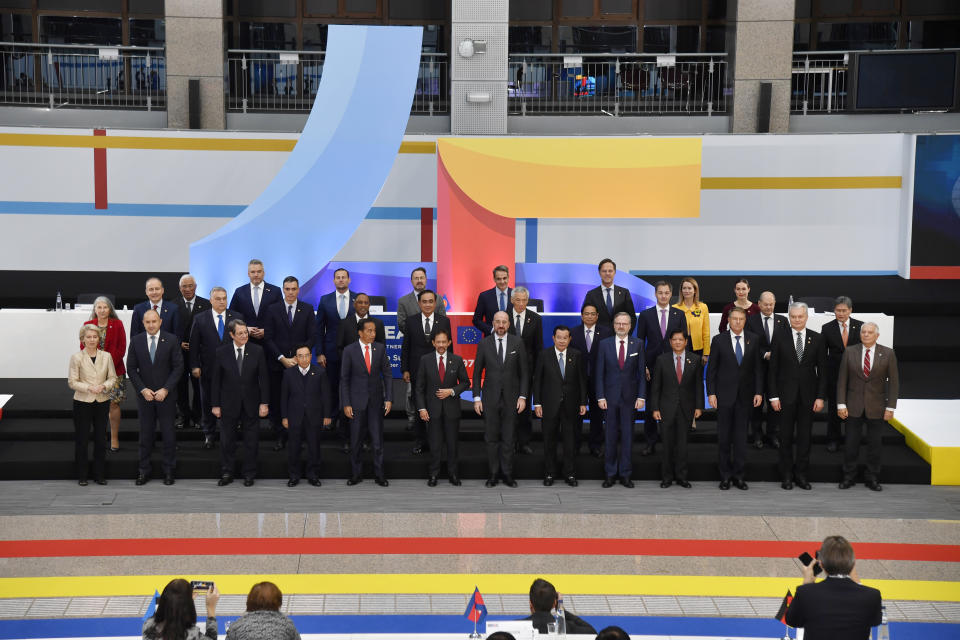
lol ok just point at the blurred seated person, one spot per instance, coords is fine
(543, 600)
(176, 616)
(263, 620)
(91, 376)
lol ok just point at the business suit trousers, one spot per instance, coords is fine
(851, 447)
(499, 422)
(618, 458)
(152, 414)
(565, 421)
(796, 423)
(300, 430)
(207, 421)
(524, 427)
(649, 427)
(444, 428)
(85, 416)
(340, 422)
(250, 430)
(187, 407)
(369, 420)
(276, 381)
(757, 414)
(834, 423)
(595, 435)
(732, 439)
(421, 436)
(673, 456)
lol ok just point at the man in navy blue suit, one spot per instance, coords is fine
(493, 300)
(306, 408)
(585, 338)
(208, 333)
(252, 300)
(169, 316)
(609, 299)
(621, 389)
(653, 328)
(286, 324)
(365, 392)
(332, 308)
(154, 364)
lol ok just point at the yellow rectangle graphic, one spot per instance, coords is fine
(821, 182)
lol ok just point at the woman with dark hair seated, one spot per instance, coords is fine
(263, 620)
(176, 616)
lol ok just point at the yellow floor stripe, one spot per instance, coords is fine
(824, 182)
(742, 586)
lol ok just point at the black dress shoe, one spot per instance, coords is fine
(354, 480)
(846, 484)
(627, 482)
(758, 443)
(292, 483)
(82, 483)
(383, 482)
(168, 479)
(572, 481)
(724, 485)
(142, 480)
(224, 480)
(417, 449)
(741, 484)
(608, 482)
(248, 482)
(548, 481)
(832, 446)
(510, 482)
(345, 448)
(103, 481)
(208, 442)
(751, 438)
(432, 482)
(873, 485)
(491, 482)
(179, 423)
(314, 482)
(684, 484)
(665, 484)
(455, 481)
(525, 450)
(786, 484)
(774, 442)
(114, 449)
(803, 484)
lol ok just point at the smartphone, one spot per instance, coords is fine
(202, 585)
(806, 559)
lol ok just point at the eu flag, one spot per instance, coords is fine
(468, 335)
(476, 611)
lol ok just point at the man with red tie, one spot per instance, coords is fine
(676, 395)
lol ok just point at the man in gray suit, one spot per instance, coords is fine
(407, 306)
(504, 392)
(867, 387)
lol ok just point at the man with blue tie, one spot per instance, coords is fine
(287, 324)
(252, 300)
(331, 310)
(493, 300)
(609, 299)
(154, 364)
(585, 338)
(306, 408)
(621, 389)
(168, 312)
(207, 334)
(734, 386)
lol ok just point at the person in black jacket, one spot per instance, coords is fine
(543, 600)
(676, 395)
(838, 334)
(306, 407)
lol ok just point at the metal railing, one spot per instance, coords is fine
(287, 81)
(819, 81)
(60, 75)
(617, 85)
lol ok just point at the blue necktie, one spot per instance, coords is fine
(503, 301)
(153, 348)
(738, 351)
(563, 372)
(609, 303)
(220, 325)
(290, 313)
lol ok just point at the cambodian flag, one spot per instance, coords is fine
(476, 611)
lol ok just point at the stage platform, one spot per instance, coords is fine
(930, 429)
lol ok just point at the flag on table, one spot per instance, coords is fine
(476, 610)
(153, 605)
(782, 611)
(467, 334)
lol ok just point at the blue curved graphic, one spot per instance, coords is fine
(333, 175)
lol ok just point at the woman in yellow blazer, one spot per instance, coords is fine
(698, 317)
(92, 376)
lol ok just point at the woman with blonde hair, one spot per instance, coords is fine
(113, 340)
(91, 376)
(698, 317)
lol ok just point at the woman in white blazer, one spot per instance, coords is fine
(92, 376)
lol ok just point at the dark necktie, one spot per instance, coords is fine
(155, 308)
(799, 347)
(500, 349)
(153, 348)
(240, 360)
(679, 360)
(609, 303)
(623, 355)
(519, 328)
(426, 327)
(739, 350)
(290, 313)
(766, 327)
(189, 307)
(563, 368)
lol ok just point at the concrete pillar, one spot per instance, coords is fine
(195, 50)
(478, 97)
(762, 51)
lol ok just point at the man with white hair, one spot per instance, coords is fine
(528, 326)
(798, 386)
(868, 384)
(189, 304)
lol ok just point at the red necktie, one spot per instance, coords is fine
(866, 363)
(366, 356)
(844, 334)
(154, 307)
(443, 370)
(679, 370)
(623, 355)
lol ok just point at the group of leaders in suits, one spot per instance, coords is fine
(268, 355)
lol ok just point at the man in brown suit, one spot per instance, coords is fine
(867, 388)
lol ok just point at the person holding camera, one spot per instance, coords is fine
(176, 615)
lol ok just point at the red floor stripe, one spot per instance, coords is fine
(99, 174)
(460, 546)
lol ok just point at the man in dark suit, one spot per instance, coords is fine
(417, 342)
(365, 391)
(734, 386)
(241, 393)
(409, 305)
(528, 325)
(676, 395)
(621, 390)
(189, 304)
(609, 299)
(286, 324)
(306, 408)
(169, 316)
(501, 366)
(208, 333)
(585, 338)
(653, 327)
(560, 401)
(867, 389)
(837, 606)
(154, 364)
(491, 301)
(349, 330)
(332, 308)
(252, 300)
(441, 378)
(770, 328)
(838, 334)
(544, 600)
(798, 385)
